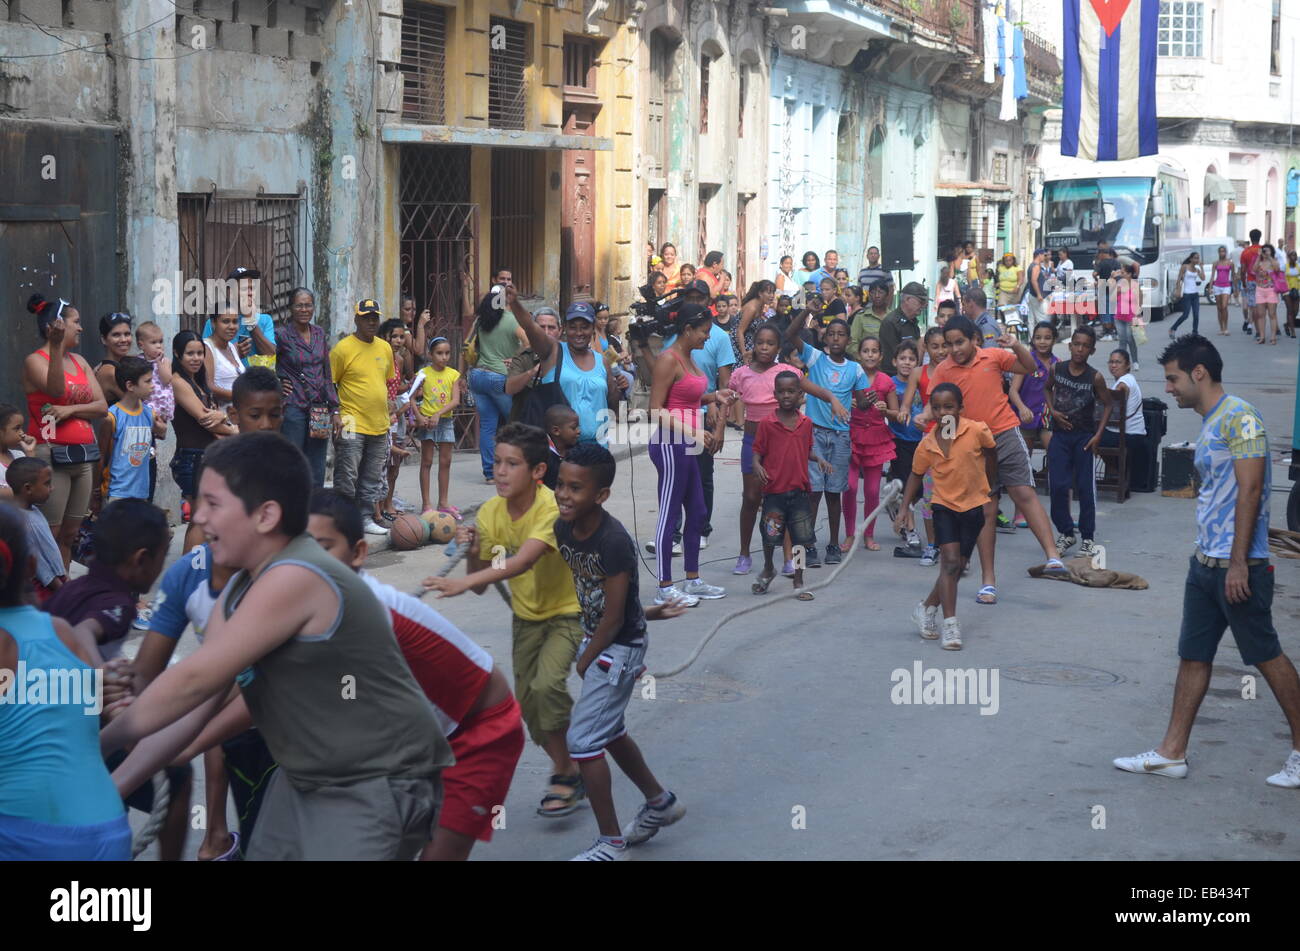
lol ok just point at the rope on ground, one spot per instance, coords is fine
(161, 800)
(888, 494)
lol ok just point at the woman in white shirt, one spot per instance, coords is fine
(1128, 394)
(221, 359)
(784, 279)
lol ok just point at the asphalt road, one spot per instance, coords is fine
(785, 741)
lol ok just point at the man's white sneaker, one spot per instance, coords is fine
(601, 851)
(1289, 778)
(951, 634)
(1065, 542)
(672, 592)
(650, 820)
(696, 588)
(1153, 763)
(374, 528)
(926, 620)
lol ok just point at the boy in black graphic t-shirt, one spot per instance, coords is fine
(604, 562)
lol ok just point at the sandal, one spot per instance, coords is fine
(230, 855)
(870, 544)
(805, 596)
(988, 595)
(452, 511)
(570, 799)
(762, 584)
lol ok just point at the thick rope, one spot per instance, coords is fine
(161, 800)
(453, 560)
(891, 491)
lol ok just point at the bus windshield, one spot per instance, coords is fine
(1082, 211)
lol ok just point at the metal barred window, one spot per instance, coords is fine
(268, 233)
(579, 64)
(515, 216)
(704, 93)
(507, 62)
(424, 63)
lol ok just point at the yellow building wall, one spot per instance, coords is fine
(466, 101)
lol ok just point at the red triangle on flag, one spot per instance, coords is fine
(1110, 12)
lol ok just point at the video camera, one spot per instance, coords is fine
(653, 316)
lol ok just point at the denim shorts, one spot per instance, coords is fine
(597, 717)
(1250, 293)
(1207, 613)
(183, 465)
(442, 431)
(784, 511)
(835, 447)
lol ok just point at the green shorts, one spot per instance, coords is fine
(542, 655)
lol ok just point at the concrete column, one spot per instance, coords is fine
(146, 106)
(352, 197)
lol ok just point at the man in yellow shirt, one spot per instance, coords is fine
(361, 365)
(515, 539)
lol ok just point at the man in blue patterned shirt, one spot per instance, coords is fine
(1229, 579)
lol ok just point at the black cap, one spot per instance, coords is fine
(700, 286)
(244, 273)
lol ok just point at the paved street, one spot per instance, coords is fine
(788, 714)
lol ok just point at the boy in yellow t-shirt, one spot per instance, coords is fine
(437, 390)
(516, 531)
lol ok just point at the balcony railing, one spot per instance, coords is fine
(955, 20)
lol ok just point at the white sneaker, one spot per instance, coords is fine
(677, 547)
(1289, 778)
(951, 634)
(1065, 542)
(696, 588)
(672, 592)
(601, 851)
(1136, 367)
(1154, 764)
(374, 528)
(704, 543)
(650, 820)
(1089, 547)
(926, 620)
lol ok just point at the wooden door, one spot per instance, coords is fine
(578, 223)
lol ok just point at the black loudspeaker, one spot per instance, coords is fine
(896, 243)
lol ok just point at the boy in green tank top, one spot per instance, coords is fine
(359, 748)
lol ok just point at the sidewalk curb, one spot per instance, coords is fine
(380, 543)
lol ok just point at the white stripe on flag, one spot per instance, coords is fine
(1130, 34)
(1090, 38)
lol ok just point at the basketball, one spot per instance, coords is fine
(408, 532)
(442, 527)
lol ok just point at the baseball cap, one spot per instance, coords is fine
(580, 310)
(368, 307)
(913, 289)
(700, 287)
(241, 273)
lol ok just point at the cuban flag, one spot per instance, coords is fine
(1108, 108)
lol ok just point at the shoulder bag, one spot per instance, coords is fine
(542, 396)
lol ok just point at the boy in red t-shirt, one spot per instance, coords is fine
(785, 441)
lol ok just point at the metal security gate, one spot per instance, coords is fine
(439, 235)
(514, 215)
(219, 233)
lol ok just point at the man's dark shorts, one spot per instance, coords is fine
(1207, 613)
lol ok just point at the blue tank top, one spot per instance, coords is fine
(586, 390)
(132, 442)
(51, 769)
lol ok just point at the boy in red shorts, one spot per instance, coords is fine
(470, 695)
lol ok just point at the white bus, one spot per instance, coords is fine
(1141, 206)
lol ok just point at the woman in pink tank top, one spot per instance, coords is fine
(676, 441)
(1224, 271)
(63, 399)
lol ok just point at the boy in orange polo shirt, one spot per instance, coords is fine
(957, 454)
(978, 372)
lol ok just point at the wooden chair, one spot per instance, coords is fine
(1112, 465)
